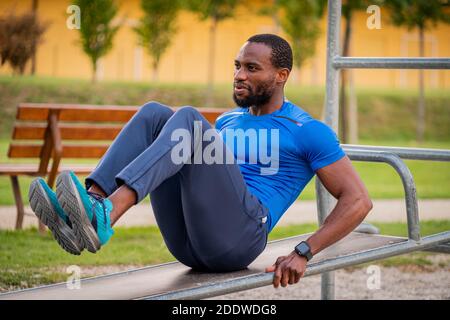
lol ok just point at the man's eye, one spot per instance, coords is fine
(251, 68)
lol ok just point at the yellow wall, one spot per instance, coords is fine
(60, 54)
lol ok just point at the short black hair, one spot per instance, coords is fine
(281, 50)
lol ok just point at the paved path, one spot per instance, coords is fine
(299, 212)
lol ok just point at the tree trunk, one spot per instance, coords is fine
(421, 102)
(343, 94)
(211, 61)
(352, 110)
(34, 8)
(155, 71)
(94, 71)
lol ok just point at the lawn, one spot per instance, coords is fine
(28, 259)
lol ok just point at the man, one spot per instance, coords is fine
(215, 215)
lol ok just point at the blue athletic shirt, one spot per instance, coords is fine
(305, 146)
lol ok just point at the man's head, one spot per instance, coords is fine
(262, 67)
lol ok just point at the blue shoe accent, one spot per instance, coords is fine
(88, 212)
(45, 205)
(52, 197)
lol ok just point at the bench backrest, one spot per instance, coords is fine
(71, 130)
(78, 123)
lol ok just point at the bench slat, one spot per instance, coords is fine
(69, 151)
(96, 113)
(27, 131)
(165, 278)
(31, 169)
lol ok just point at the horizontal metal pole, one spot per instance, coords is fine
(390, 63)
(442, 248)
(405, 153)
(264, 279)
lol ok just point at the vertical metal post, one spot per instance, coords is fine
(324, 199)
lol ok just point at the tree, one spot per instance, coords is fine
(216, 11)
(300, 21)
(19, 38)
(348, 110)
(97, 32)
(157, 27)
(420, 14)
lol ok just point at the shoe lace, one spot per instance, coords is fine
(99, 199)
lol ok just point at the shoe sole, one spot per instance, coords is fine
(70, 201)
(41, 205)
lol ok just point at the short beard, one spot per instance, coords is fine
(264, 93)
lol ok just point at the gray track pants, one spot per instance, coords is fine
(207, 217)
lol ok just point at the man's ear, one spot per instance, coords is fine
(283, 75)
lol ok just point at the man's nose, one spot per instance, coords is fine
(240, 74)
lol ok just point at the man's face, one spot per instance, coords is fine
(254, 75)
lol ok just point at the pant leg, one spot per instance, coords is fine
(223, 219)
(136, 136)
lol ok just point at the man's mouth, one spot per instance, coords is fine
(240, 89)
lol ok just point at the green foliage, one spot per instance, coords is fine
(97, 32)
(19, 38)
(217, 10)
(157, 26)
(420, 14)
(300, 20)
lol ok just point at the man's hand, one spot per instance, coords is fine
(288, 269)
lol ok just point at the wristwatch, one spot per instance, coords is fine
(304, 250)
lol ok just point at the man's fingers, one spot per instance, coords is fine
(292, 277)
(285, 277)
(277, 277)
(297, 277)
(271, 268)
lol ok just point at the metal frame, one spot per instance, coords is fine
(335, 62)
(392, 156)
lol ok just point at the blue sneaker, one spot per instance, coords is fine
(44, 204)
(88, 212)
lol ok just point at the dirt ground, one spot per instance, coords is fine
(395, 283)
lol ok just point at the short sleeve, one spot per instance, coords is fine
(319, 145)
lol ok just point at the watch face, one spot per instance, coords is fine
(303, 248)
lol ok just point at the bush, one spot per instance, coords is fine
(19, 38)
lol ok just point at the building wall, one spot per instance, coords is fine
(60, 54)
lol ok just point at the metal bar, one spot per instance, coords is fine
(405, 153)
(324, 199)
(390, 63)
(442, 248)
(264, 279)
(412, 208)
(332, 77)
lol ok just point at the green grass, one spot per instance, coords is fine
(29, 259)
(384, 113)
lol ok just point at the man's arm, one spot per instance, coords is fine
(342, 181)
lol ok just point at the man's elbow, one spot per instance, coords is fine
(365, 205)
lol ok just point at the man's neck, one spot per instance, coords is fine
(275, 103)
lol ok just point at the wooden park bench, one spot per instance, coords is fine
(52, 133)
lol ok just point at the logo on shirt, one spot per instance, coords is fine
(259, 147)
